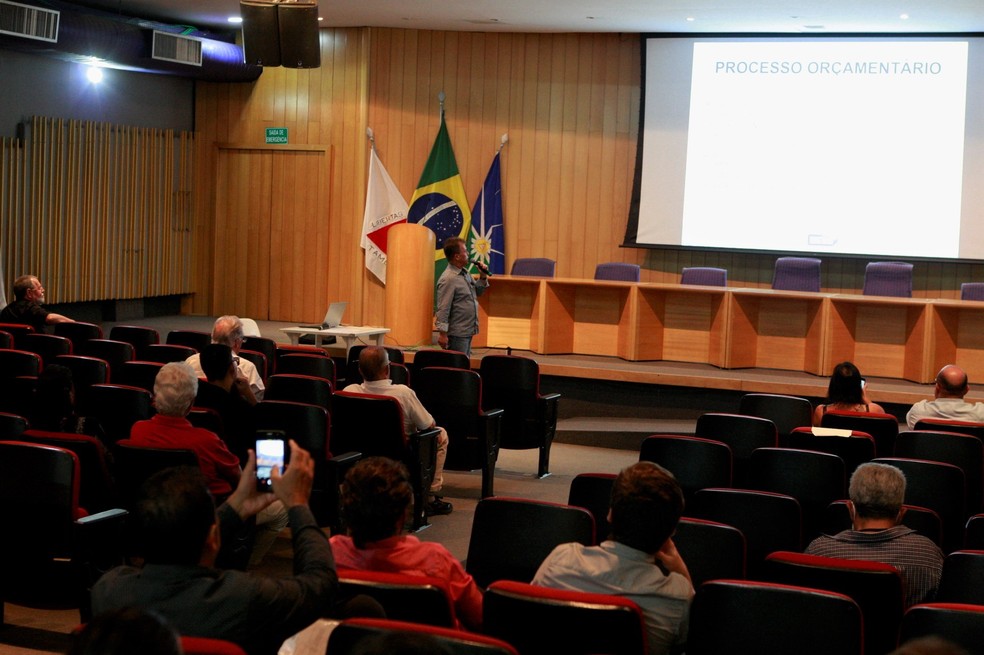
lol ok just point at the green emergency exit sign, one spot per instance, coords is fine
(276, 135)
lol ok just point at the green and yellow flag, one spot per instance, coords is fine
(439, 201)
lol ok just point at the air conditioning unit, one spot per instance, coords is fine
(28, 22)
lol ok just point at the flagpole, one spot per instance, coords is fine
(371, 137)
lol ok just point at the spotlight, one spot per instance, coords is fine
(94, 74)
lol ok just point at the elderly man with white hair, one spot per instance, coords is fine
(228, 330)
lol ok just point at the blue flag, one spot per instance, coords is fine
(487, 241)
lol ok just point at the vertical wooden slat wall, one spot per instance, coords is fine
(90, 208)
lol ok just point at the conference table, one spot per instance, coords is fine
(733, 327)
(349, 333)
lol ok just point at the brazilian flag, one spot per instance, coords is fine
(439, 201)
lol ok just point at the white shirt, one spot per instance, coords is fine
(955, 409)
(415, 416)
(246, 369)
(618, 570)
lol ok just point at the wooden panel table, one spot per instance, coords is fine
(958, 336)
(777, 329)
(509, 314)
(681, 323)
(884, 337)
(586, 317)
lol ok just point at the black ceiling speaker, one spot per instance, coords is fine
(300, 46)
(261, 34)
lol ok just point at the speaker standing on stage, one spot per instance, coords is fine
(457, 298)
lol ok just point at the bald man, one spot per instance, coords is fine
(951, 387)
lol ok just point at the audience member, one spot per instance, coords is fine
(229, 395)
(948, 400)
(175, 389)
(128, 631)
(457, 298)
(876, 493)
(374, 366)
(180, 534)
(27, 307)
(376, 500)
(846, 392)
(932, 645)
(54, 405)
(639, 561)
(228, 330)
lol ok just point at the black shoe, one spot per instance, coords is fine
(438, 507)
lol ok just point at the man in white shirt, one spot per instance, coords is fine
(375, 369)
(228, 330)
(640, 561)
(948, 403)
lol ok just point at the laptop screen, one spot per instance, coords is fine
(333, 317)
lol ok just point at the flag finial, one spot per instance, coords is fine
(440, 99)
(503, 141)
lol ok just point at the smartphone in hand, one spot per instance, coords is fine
(271, 450)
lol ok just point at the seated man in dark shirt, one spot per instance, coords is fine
(26, 308)
(180, 534)
(229, 394)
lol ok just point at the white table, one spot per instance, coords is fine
(350, 333)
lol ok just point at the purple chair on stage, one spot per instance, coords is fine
(888, 279)
(797, 274)
(533, 267)
(705, 275)
(618, 271)
(972, 291)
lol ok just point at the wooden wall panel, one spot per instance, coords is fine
(570, 105)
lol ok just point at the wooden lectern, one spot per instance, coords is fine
(410, 285)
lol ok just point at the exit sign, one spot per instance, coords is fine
(276, 135)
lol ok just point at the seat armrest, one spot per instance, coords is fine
(100, 545)
(422, 463)
(106, 515)
(491, 413)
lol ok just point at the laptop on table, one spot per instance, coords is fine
(333, 318)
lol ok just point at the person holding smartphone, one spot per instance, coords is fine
(180, 535)
(846, 392)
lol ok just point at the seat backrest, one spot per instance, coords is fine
(266, 346)
(453, 396)
(877, 589)
(47, 345)
(973, 532)
(618, 271)
(97, 490)
(16, 329)
(18, 363)
(812, 478)
(39, 489)
(711, 550)
(12, 425)
(533, 267)
(510, 537)
(593, 492)
(797, 274)
(6, 339)
(733, 616)
(314, 365)
(117, 407)
(544, 620)
(209, 646)
(695, 462)
(404, 596)
(258, 360)
(948, 425)
(960, 623)
(704, 275)
(961, 450)
(883, 428)
(165, 353)
(137, 335)
(347, 639)
(963, 571)
(78, 332)
(207, 419)
(352, 373)
(743, 434)
(769, 521)
(137, 373)
(114, 352)
(133, 465)
(191, 338)
(299, 388)
(972, 291)
(431, 357)
(399, 374)
(787, 412)
(370, 424)
(938, 486)
(86, 371)
(512, 384)
(306, 424)
(853, 450)
(888, 279)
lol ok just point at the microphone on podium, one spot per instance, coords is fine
(482, 267)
